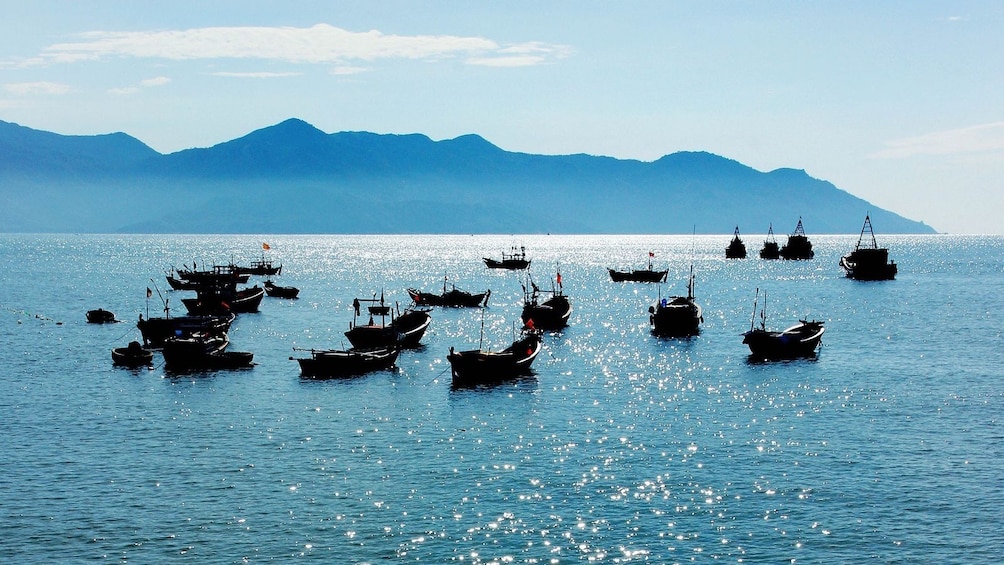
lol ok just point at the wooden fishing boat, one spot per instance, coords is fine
(276, 291)
(218, 300)
(677, 316)
(800, 340)
(156, 331)
(100, 316)
(639, 275)
(132, 355)
(513, 261)
(192, 352)
(334, 363)
(736, 248)
(770, 248)
(480, 367)
(798, 246)
(262, 268)
(545, 313)
(453, 298)
(404, 330)
(868, 262)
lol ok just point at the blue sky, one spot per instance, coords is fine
(900, 103)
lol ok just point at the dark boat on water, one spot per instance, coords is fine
(800, 340)
(217, 300)
(181, 284)
(868, 262)
(639, 275)
(100, 316)
(219, 274)
(156, 331)
(404, 330)
(770, 248)
(276, 291)
(480, 367)
(736, 248)
(335, 363)
(261, 268)
(513, 261)
(798, 246)
(545, 314)
(132, 355)
(677, 316)
(454, 298)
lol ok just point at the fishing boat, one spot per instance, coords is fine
(868, 262)
(798, 246)
(276, 291)
(405, 329)
(770, 248)
(513, 261)
(454, 298)
(334, 363)
(736, 248)
(190, 352)
(156, 331)
(100, 316)
(132, 355)
(181, 284)
(639, 275)
(219, 274)
(217, 300)
(483, 367)
(544, 313)
(800, 340)
(262, 268)
(677, 316)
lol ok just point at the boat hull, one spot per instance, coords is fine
(477, 367)
(276, 291)
(331, 363)
(676, 317)
(869, 265)
(450, 299)
(132, 356)
(644, 275)
(552, 314)
(800, 340)
(156, 331)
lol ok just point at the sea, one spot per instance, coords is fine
(621, 447)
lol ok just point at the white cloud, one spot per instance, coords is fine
(156, 81)
(148, 83)
(254, 74)
(973, 139)
(520, 61)
(319, 44)
(348, 70)
(31, 88)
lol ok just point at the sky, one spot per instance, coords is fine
(898, 103)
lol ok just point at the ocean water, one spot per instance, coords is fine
(621, 448)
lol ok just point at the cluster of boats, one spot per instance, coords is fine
(199, 339)
(867, 262)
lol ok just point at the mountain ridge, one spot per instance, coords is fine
(294, 178)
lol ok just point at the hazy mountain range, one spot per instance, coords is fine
(294, 178)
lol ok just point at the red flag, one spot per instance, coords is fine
(650, 254)
(559, 279)
(149, 292)
(265, 246)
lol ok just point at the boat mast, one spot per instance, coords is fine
(755, 299)
(867, 226)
